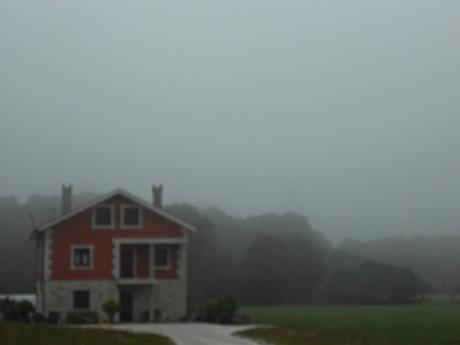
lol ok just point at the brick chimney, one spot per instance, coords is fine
(157, 194)
(66, 198)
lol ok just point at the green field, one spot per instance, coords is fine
(423, 324)
(20, 334)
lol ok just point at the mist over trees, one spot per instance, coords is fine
(435, 258)
(265, 259)
(16, 248)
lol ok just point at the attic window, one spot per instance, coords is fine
(131, 216)
(103, 216)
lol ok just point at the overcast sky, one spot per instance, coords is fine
(347, 110)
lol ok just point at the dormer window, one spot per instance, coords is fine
(103, 217)
(131, 217)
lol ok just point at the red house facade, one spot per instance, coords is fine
(115, 247)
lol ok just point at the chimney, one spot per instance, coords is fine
(157, 193)
(66, 198)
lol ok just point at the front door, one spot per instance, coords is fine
(126, 306)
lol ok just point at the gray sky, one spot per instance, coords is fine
(346, 110)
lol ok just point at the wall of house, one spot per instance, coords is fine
(78, 230)
(141, 301)
(169, 298)
(58, 295)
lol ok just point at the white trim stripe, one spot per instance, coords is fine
(148, 240)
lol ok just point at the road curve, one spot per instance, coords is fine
(191, 333)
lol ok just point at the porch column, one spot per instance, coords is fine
(116, 260)
(152, 276)
(151, 261)
(183, 277)
(152, 304)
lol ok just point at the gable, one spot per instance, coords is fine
(117, 196)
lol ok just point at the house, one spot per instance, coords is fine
(119, 247)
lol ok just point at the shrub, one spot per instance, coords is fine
(111, 308)
(24, 310)
(8, 309)
(227, 309)
(211, 311)
(16, 310)
(222, 310)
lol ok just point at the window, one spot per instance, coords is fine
(81, 299)
(82, 257)
(131, 217)
(163, 257)
(103, 217)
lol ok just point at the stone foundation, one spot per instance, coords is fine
(165, 300)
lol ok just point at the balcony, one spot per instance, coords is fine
(142, 261)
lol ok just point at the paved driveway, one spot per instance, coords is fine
(191, 333)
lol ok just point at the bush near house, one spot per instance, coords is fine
(222, 310)
(7, 310)
(22, 311)
(111, 308)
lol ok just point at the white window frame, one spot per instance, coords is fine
(112, 218)
(122, 218)
(73, 248)
(169, 258)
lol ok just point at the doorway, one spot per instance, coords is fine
(126, 306)
(127, 262)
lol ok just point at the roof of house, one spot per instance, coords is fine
(118, 191)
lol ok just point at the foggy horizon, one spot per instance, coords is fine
(345, 111)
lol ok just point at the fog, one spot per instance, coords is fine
(347, 111)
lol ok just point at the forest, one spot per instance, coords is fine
(263, 259)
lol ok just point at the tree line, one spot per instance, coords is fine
(280, 259)
(435, 258)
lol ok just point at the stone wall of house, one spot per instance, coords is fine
(170, 299)
(168, 302)
(141, 301)
(58, 295)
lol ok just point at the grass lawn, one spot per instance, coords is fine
(423, 324)
(19, 334)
